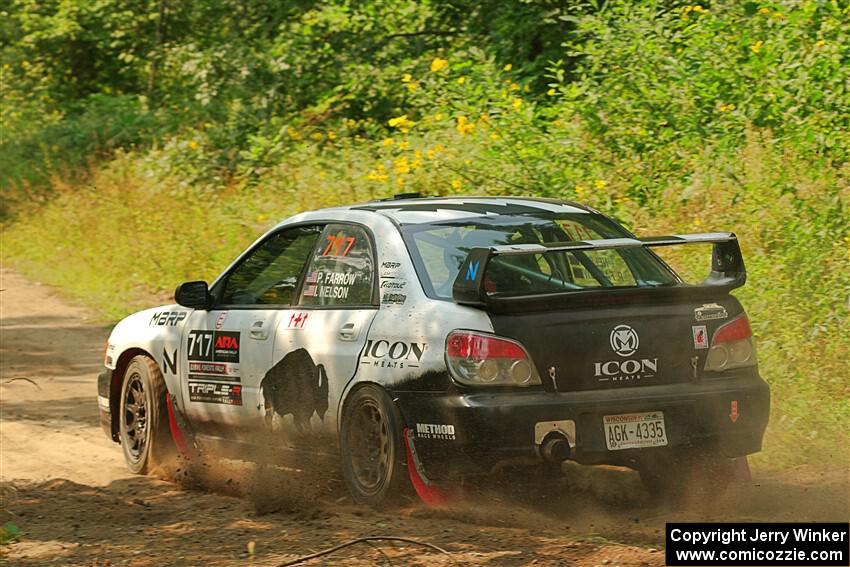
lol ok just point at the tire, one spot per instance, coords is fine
(143, 419)
(372, 447)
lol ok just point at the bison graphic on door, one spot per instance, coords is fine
(298, 386)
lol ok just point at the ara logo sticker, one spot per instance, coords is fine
(700, 336)
(472, 271)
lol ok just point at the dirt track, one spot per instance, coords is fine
(65, 486)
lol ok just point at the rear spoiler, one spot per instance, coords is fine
(727, 264)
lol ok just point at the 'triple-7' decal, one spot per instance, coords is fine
(337, 242)
(200, 345)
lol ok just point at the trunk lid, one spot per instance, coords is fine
(625, 342)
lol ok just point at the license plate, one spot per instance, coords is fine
(635, 430)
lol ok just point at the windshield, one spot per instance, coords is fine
(440, 248)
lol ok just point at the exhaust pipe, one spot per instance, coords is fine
(555, 448)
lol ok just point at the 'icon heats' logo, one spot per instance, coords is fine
(624, 340)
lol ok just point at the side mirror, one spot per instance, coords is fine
(193, 294)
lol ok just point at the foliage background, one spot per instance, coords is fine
(146, 143)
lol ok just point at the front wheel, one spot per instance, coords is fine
(373, 462)
(143, 418)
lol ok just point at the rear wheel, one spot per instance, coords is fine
(143, 418)
(372, 447)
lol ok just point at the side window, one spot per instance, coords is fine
(342, 269)
(270, 274)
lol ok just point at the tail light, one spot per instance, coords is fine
(732, 346)
(477, 359)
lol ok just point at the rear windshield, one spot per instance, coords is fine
(439, 249)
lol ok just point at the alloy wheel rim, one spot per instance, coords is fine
(369, 444)
(134, 416)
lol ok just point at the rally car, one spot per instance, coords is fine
(420, 340)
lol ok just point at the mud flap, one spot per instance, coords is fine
(427, 491)
(175, 420)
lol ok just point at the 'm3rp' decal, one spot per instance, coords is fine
(213, 346)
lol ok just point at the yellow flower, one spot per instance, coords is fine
(402, 122)
(461, 80)
(331, 135)
(697, 221)
(551, 92)
(194, 145)
(377, 176)
(526, 89)
(457, 184)
(514, 86)
(261, 217)
(517, 103)
(438, 116)
(407, 78)
(820, 43)
(756, 47)
(508, 67)
(417, 154)
(580, 191)
(400, 182)
(412, 86)
(401, 165)
(293, 133)
(494, 136)
(600, 184)
(388, 142)
(764, 11)
(403, 145)
(316, 136)
(484, 118)
(726, 107)
(779, 15)
(464, 126)
(438, 65)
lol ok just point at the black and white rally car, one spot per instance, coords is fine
(424, 339)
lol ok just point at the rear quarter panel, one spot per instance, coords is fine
(405, 345)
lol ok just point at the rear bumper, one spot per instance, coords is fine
(104, 403)
(494, 427)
